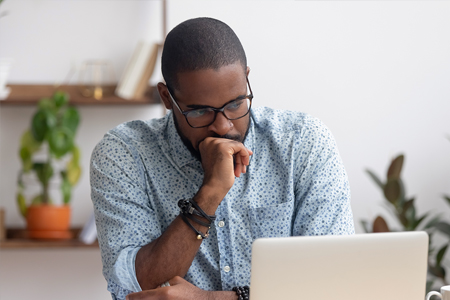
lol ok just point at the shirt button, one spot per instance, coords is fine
(221, 223)
(226, 269)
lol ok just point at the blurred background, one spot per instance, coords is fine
(377, 73)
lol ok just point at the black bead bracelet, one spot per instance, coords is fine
(243, 292)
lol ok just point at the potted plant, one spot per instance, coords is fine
(50, 159)
(404, 210)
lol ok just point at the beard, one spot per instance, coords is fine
(196, 153)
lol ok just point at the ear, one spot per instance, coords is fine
(164, 94)
(248, 70)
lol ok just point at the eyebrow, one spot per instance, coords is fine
(198, 106)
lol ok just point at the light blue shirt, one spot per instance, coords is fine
(295, 185)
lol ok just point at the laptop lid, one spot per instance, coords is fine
(378, 266)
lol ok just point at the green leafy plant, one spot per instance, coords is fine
(404, 211)
(444, 228)
(52, 130)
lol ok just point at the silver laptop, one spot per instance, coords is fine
(377, 266)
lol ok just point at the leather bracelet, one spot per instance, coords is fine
(186, 207)
(210, 218)
(191, 217)
(243, 292)
(189, 206)
(200, 235)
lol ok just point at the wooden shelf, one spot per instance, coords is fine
(26, 94)
(17, 238)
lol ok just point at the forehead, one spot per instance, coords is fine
(211, 87)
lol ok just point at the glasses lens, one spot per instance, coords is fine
(200, 117)
(237, 109)
(205, 116)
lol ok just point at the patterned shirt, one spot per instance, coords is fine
(295, 185)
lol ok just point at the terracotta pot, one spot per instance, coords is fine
(49, 222)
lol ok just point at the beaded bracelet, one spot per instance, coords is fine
(243, 292)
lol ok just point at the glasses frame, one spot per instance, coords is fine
(216, 110)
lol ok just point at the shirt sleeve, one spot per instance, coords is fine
(124, 217)
(322, 189)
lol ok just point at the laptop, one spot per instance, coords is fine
(377, 266)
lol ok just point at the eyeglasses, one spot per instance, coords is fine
(205, 116)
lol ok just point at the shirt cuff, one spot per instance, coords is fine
(122, 280)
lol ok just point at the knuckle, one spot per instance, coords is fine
(165, 294)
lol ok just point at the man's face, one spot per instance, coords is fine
(209, 88)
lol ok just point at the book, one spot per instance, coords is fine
(121, 86)
(148, 72)
(139, 69)
(157, 73)
(88, 234)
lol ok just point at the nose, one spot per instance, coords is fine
(221, 124)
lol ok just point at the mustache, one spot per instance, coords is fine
(236, 137)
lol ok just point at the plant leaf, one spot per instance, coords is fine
(75, 155)
(44, 172)
(41, 122)
(46, 103)
(447, 198)
(432, 223)
(408, 214)
(408, 204)
(410, 218)
(71, 119)
(443, 227)
(28, 141)
(60, 98)
(39, 126)
(66, 189)
(395, 168)
(60, 141)
(429, 286)
(436, 271)
(25, 157)
(392, 191)
(440, 255)
(365, 226)
(73, 173)
(380, 225)
(375, 178)
(21, 202)
(418, 221)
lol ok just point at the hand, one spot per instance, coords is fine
(179, 289)
(222, 161)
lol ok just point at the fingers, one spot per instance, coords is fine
(177, 285)
(241, 161)
(223, 160)
(144, 295)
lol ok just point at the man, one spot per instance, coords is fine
(179, 200)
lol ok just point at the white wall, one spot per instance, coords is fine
(376, 72)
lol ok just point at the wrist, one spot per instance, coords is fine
(221, 295)
(209, 198)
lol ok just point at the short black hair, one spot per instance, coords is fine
(198, 44)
